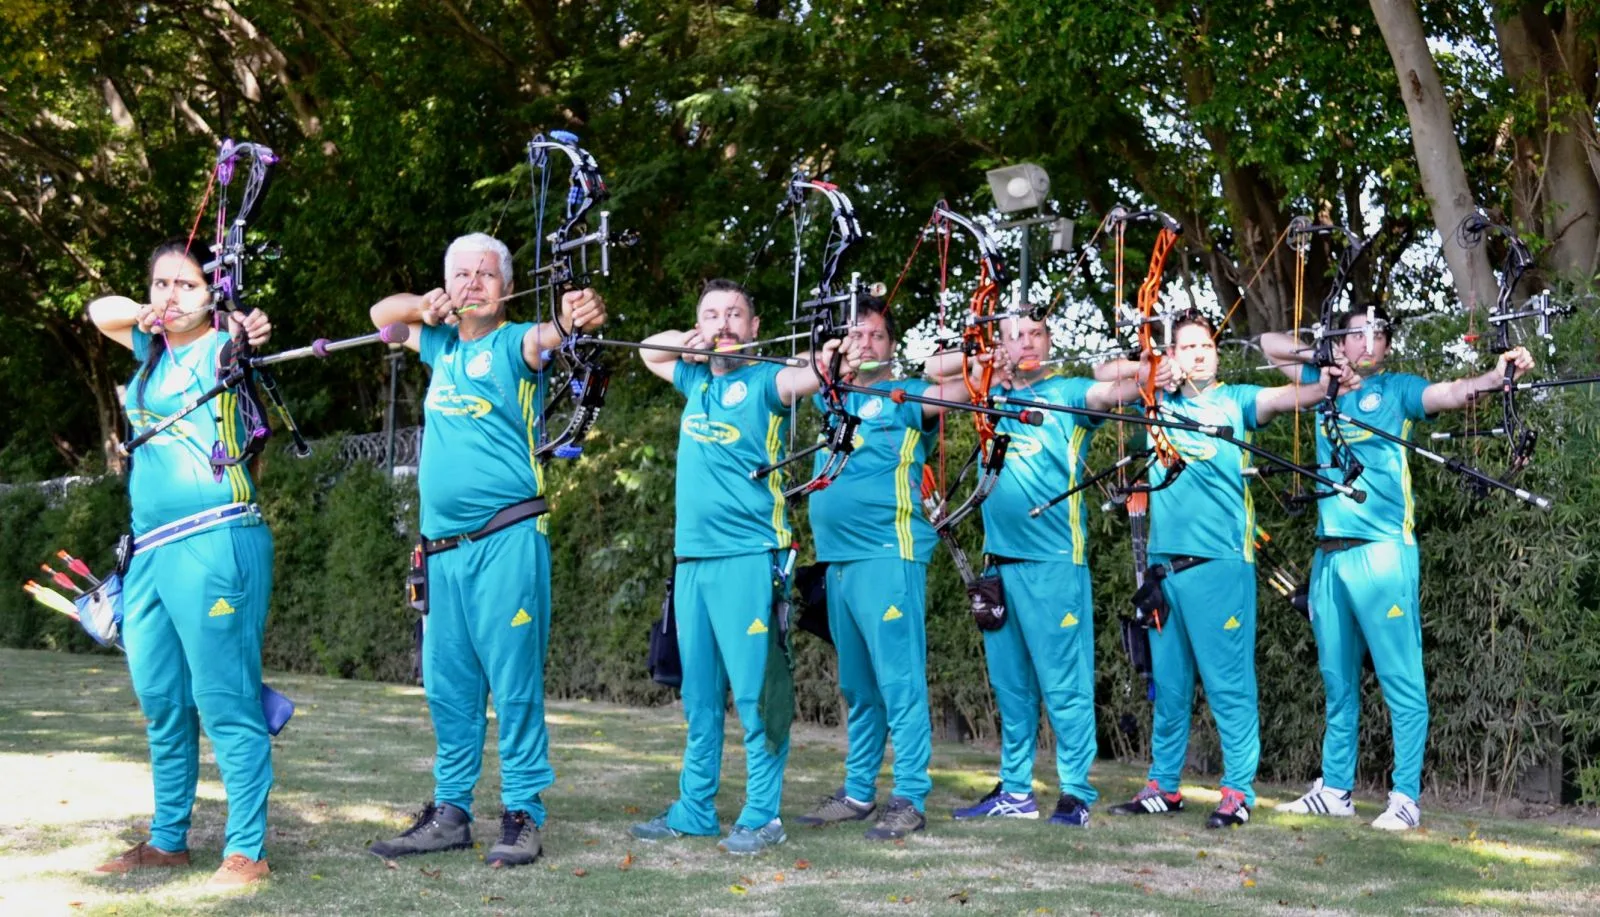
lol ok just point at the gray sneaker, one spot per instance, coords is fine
(438, 827)
(519, 843)
(899, 819)
(836, 808)
(742, 841)
(656, 829)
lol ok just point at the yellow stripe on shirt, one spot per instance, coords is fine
(1075, 502)
(774, 482)
(902, 493)
(1410, 521)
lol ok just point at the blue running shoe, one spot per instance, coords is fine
(742, 841)
(1070, 810)
(656, 829)
(1000, 804)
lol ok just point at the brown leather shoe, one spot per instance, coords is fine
(238, 870)
(144, 856)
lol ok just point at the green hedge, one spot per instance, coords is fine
(1511, 623)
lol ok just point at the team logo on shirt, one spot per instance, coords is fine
(178, 432)
(703, 429)
(735, 394)
(1370, 401)
(444, 399)
(479, 366)
(872, 408)
(1195, 451)
(1023, 446)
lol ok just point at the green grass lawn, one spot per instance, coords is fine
(356, 760)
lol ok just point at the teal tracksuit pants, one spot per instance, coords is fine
(723, 608)
(193, 614)
(1210, 627)
(877, 613)
(1364, 599)
(1045, 650)
(487, 633)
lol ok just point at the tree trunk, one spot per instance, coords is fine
(1555, 189)
(1444, 178)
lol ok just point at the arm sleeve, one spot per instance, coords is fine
(768, 380)
(910, 412)
(1410, 388)
(1245, 396)
(1074, 393)
(141, 344)
(1309, 375)
(686, 376)
(432, 341)
(509, 348)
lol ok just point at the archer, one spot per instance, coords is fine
(874, 544)
(1365, 580)
(1201, 585)
(733, 547)
(1043, 647)
(484, 548)
(196, 588)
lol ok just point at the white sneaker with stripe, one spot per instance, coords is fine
(1403, 814)
(1321, 800)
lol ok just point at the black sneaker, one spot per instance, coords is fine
(519, 842)
(899, 818)
(1070, 810)
(438, 827)
(1231, 811)
(836, 808)
(1151, 801)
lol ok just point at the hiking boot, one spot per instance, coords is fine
(1151, 801)
(144, 855)
(1231, 811)
(519, 842)
(742, 841)
(656, 829)
(1403, 814)
(239, 870)
(899, 819)
(1320, 800)
(1000, 804)
(836, 808)
(438, 827)
(1070, 810)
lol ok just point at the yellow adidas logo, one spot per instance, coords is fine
(521, 617)
(893, 614)
(756, 627)
(1071, 620)
(1233, 623)
(1395, 612)
(221, 608)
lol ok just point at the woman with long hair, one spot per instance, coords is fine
(195, 591)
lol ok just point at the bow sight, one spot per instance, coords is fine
(1341, 456)
(579, 392)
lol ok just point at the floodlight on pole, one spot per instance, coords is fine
(1023, 186)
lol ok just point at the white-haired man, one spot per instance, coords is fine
(484, 541)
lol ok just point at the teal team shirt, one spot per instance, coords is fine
(171, 476)
(874, 509)
(480, 429)
(1041, 463)
(732, 424)
(1392, 402)
(1207, 511)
